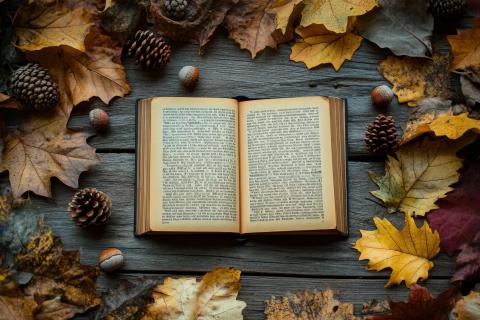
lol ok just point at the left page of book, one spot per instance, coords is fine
(194, 182)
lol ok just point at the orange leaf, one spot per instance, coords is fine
(466, 47)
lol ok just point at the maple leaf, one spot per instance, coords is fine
(467, 308)
(404, 27)
(407, 252)
(334, 14)
(212, 298)
(414, 79)
(308, 305)
(421, 306)
(284, 11)
(83, 75)
(422, 174)
(40, 27)
(458, 218)
(468, 261)
(43, 148)
(320, 46)
(466, 47)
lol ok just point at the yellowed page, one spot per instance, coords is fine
(194, 179)
(286, 165)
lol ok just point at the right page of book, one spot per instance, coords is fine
(286, 169)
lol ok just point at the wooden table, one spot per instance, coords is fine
(271, 265)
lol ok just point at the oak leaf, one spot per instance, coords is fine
(308, 305)
(414, 79)
(284, 11)
(214, 297)
(43, 148)
(422, 174)
(467, 267)
(458, 218)
(467, 308)
(41, 27)
(407, 252)
(319, 46)
(404, 27)
(421, 305)
(466, 47)
(334, 14)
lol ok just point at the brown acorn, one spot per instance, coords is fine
(99, 119)
(110, 259)
(382, 96)
(188, 76)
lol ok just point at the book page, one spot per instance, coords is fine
(194, 165)
(286, 165)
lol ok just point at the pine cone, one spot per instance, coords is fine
(175, 9)
(90, 207)
(447, 9)
(150, 50)
(381, 135)
(33, 86)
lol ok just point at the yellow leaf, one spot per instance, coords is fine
(414, 79)
(422, 174)
(468, 308)
(283, 10)
(454, 126)
(407, 252)
(334, 13)
(52, 26)
(320, 46)
(212, 298)
(466, 47)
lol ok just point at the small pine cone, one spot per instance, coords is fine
(150, 50)
(175, 9)
(33, 86)
(381, 135)
(447, 9)
(90, 207)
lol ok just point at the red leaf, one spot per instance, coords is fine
(458, 219)
(468, 261)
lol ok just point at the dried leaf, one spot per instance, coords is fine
(376, 307)
(414, 79)
(404, 27)
(308, 305)
(470, 83)
(468, 308)
(121, 18)
(320, 46)
(284, 11)
(458, 218)
(407, 252)
(41, 27)
(421, 305)
(466, 47)
(422, 174)
(42, 149)
(468, 261)
(201, 19)
(7, 102)
(212, 298)
(17, 308)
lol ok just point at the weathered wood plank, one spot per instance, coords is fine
(295, 255)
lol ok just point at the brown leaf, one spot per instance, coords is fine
(17, 308)
(286, 11)
(7, 102)
(466, 47)
(375, 307)
(470, 83)
(251, 24)
(414, 79)
(39, 27)
(42, 149)
(201, 19)
(81, 76)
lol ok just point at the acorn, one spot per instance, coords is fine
(99, 119)
(110, 259)
(382, 96)
(188, 75)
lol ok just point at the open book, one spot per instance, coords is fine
(220, 165)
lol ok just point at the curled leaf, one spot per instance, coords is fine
(285, 12)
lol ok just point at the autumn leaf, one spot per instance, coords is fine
(43, 148)
(467, 267)
(319, 46)
(470, 84)
(284, 13)
(407, 252)
(422, 174)
(41, 27)
(212, 298)
(308, 305)
(121, 19)
(458, 218)
(467, 308)
(405, 27)
(414, 79)
(421, 305)
(7, 102)
(17, 308)
(466, 47)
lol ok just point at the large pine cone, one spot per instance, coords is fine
(381, 135)
(447, 9)
(33, 86)
(175, 9)
(90, 207)
(150, 50)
